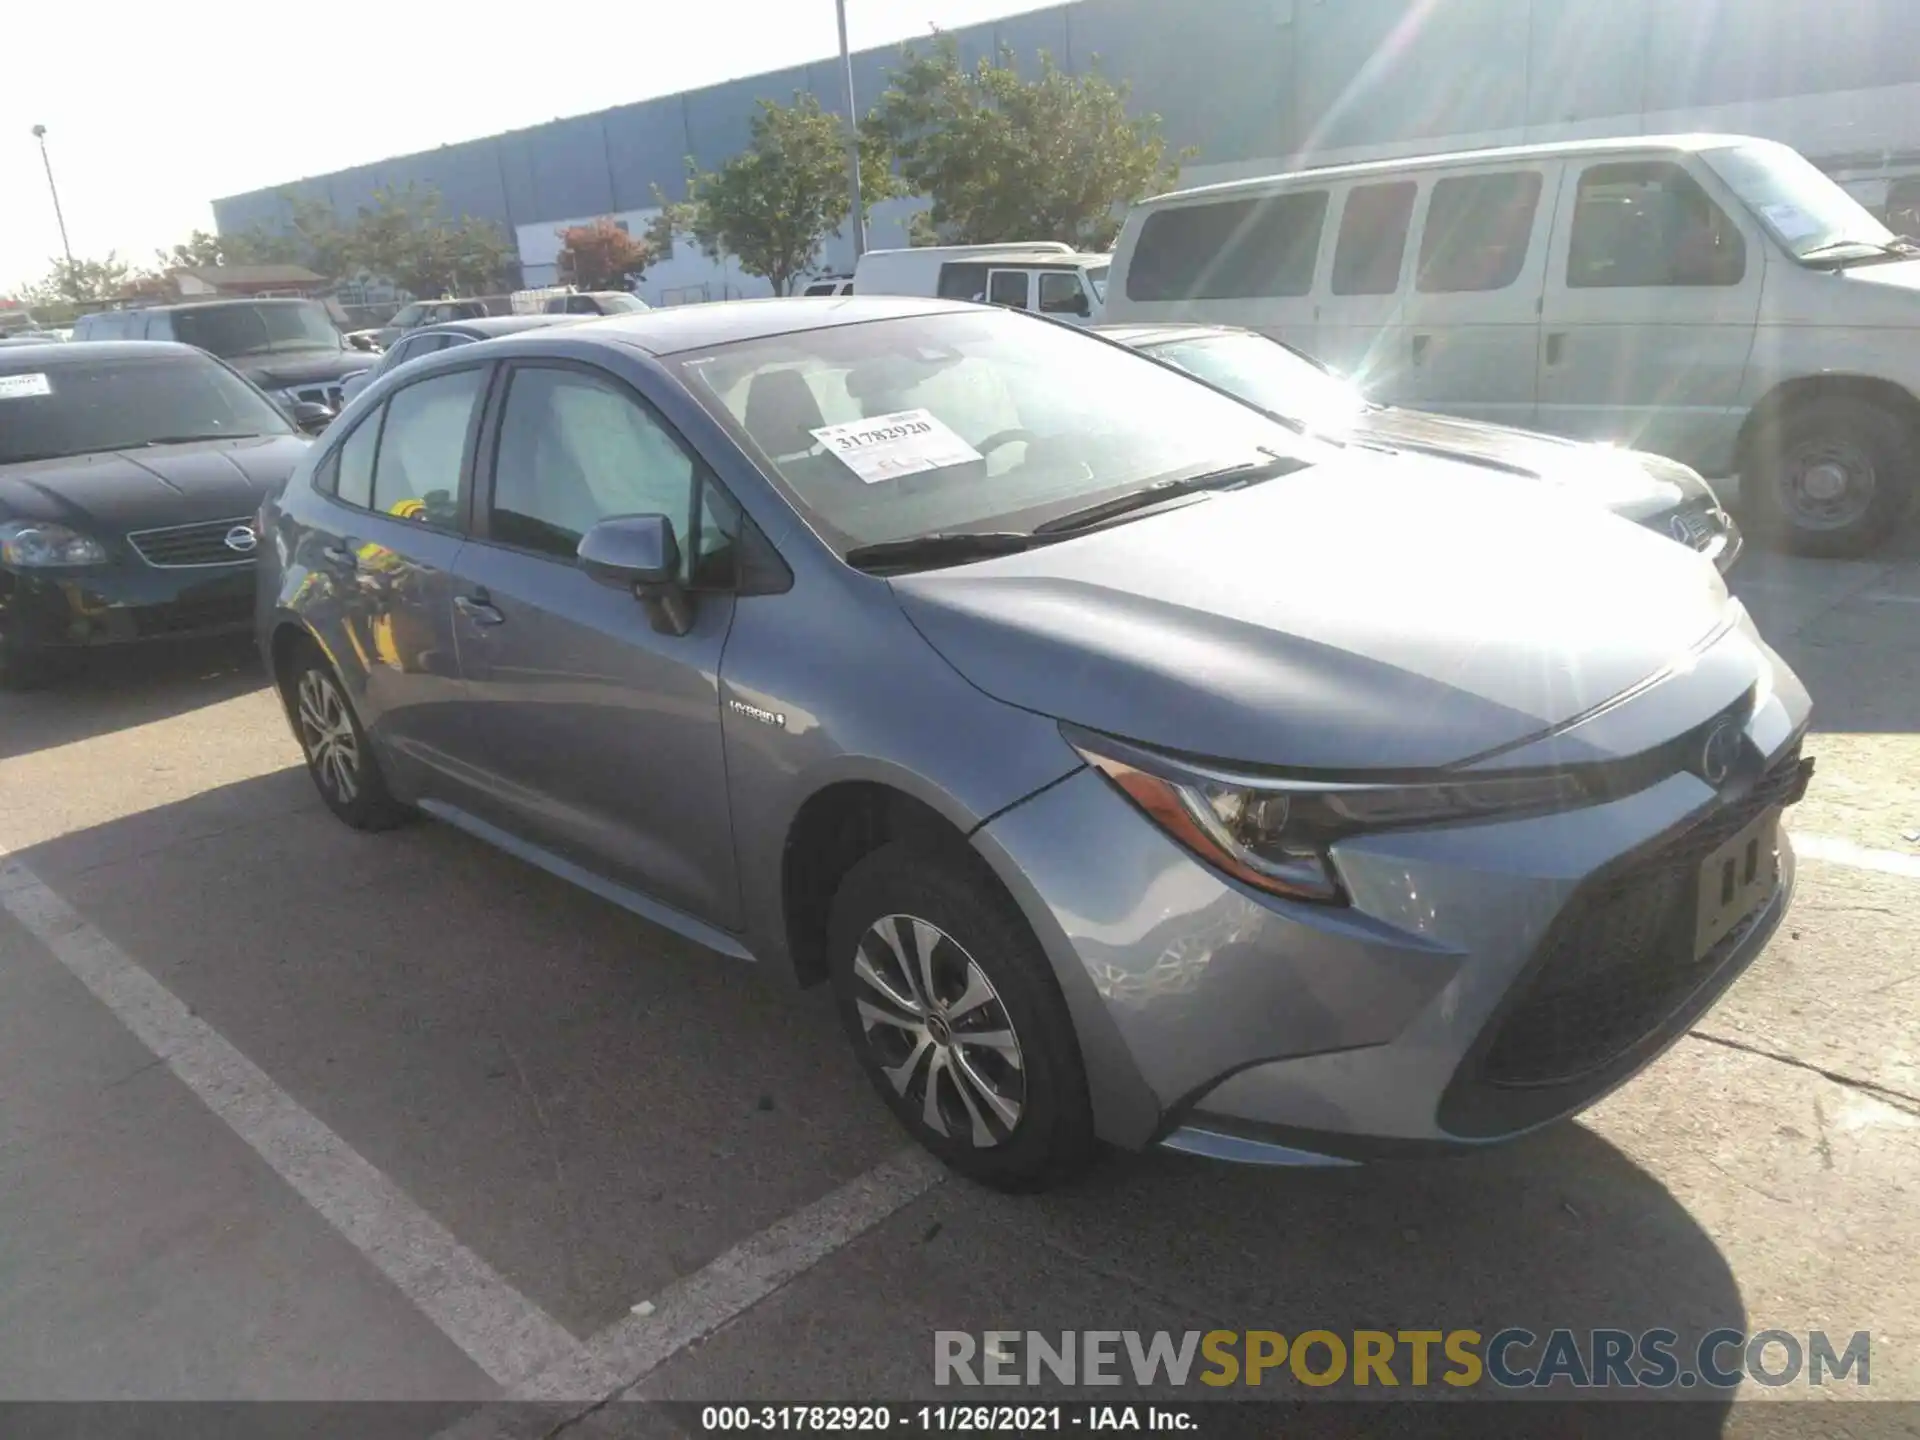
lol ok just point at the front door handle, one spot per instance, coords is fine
(479, 608)
(1556, 346)
(1420, 343)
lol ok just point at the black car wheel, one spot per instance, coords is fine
(957, 1020)
(1831, 477)
(340, 758)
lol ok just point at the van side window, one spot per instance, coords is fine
(1373, 238)
(1008, 287)
(1477, 231)
(1231, 250)
(1650, 224)
(962, 282)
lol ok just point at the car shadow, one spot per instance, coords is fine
(597, 1109)
(100, 691)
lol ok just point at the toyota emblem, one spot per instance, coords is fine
(241, 539)
(1720, 753)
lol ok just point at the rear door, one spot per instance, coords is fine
(603, 735)
(1360, 308)
(1652, 297)
(1473, 315)
(383, 545)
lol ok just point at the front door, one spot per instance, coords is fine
(1653, 292)
(603, 734)
(1473, 315)
(382, 547)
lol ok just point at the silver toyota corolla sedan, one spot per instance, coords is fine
(1132, 766)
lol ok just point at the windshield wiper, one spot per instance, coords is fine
(1229, 478)
(189, 439)
(941, 547)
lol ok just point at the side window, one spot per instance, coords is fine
(1650, 224)
(581, 305)
(1008, 287)
(575, 449)
(417, 473)
(1060, 294)
(159, 326)
(1373, 238)
(353, 470)
(718, 528)
(326, 475)
(962, 282)
(1477, 231)
(1259, 248)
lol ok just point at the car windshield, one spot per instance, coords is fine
(230, 331)
(74, 409)
(1799, 203)
(1266, 373)
(1097, 278)
(963, 422)
(619, 304)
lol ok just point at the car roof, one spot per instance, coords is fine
(491, 325)
(677, 328)
(1618, 144)
(86, 352)
(223, 302)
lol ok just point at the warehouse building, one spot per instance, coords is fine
(1254, 86)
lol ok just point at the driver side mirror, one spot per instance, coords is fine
(639, 554)
(311, 418)
(360, 342)
(1082, 306)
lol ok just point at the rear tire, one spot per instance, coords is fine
(1830, 477)
(955, 1015)
(340, 758)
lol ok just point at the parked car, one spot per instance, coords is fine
(830, 285)
(1713, 298)
(1662, 494)
(1130, 764)
(1048, 279)
(419, 313)
(594, 302)
(130, 478)
(31, 337)
(289, 348)
(431, 338)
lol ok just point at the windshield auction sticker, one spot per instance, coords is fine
(19, 387)
(885, 447)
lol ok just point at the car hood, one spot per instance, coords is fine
(300, 367)
(1628, 482)
(108, 494)
(1366, 614)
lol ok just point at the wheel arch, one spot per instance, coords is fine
(1805, 390)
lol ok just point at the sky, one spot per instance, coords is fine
(153, 112)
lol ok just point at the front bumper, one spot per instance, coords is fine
(127, 603)
(1232, 1023)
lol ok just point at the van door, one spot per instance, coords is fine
(1360, 319)
(1652, 296)
(1473, 312)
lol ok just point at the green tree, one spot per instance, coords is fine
(82, 282)
(255, 246)
(1006, 158)
(775, 204)
(600, 255)
(403, 237)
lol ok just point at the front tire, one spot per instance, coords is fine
(340, 758)
(956, 1017)
(1831, 477)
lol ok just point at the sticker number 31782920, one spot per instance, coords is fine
(885, 447)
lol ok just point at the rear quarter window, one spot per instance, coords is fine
(1259, 248)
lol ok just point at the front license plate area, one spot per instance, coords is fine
(1736, 879)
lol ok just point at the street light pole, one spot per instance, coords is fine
(40, 134)
(853, 138)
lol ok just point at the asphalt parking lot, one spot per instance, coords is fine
(291, 1112)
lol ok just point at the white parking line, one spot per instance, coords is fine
(1845, 852)
(501, 1330)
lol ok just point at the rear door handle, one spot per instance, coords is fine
(479, 608)
(1556, 346)
(1420, 343)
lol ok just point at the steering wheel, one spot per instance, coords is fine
(1004, 437)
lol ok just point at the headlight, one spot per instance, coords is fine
(30, 544)
(1276, 834)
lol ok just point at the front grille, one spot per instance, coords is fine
(1619, 960)
(204, 543)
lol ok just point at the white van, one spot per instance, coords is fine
(1045, 276)
(1712, 298)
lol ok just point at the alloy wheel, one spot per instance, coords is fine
(326, 729)
(1828, 484)
(939, 1030)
